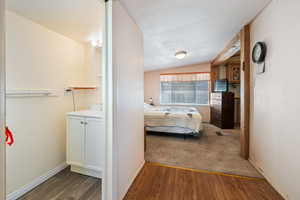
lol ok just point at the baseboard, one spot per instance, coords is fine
(256, 166)
(133, 178)
(26, 188)
(87, 171)
(269, 180)
(137, 172)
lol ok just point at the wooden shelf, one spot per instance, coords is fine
(82, 88)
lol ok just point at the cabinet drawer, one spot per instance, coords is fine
(216, 96)
(214, 102)
(216, 109)
(216, 115)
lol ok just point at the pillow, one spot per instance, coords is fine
(147, 106)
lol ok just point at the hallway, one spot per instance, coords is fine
(211, 152)
(157, 182)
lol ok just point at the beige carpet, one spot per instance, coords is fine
(210, 152)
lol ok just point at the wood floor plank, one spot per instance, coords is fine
(164, 183)
(66, 185)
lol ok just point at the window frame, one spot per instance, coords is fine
(185, 104)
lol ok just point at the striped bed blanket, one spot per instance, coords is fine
(171, 116)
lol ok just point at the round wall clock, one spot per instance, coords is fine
(259, 52)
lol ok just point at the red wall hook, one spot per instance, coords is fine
(9, 136)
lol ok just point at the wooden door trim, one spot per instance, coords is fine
(244, 37)
(226, 53)
(245, 92)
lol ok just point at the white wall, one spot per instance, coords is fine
(275, 138)
(93, 74)
(128, 93)
(2, 100)
(38, 58)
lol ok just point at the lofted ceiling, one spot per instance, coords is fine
(81, 20)
(200, 27)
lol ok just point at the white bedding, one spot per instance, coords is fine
(174, 118)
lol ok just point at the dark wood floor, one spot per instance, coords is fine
(164, 183)
(67, 185)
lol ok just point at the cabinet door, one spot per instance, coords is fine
(75, 141)
(95, 137)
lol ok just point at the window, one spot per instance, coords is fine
(185, 88)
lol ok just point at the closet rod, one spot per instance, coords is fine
(30, 93)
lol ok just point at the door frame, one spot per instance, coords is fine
(2, 103)
(109, 182)
(244, 37)
(245, 91)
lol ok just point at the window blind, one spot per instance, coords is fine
(185, 88)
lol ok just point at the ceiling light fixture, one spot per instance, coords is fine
(180, 54)
(96, 44)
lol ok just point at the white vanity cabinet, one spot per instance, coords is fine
(86, 143)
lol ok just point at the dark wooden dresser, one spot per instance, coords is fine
(222, 109)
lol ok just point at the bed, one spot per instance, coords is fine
(173, 119)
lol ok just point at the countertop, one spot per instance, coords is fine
(87, 113)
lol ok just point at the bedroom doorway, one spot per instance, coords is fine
(237, 56)
(222, 141)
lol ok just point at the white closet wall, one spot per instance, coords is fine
(38, 58)
(127, 97)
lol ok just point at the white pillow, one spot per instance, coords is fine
(147, 106)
